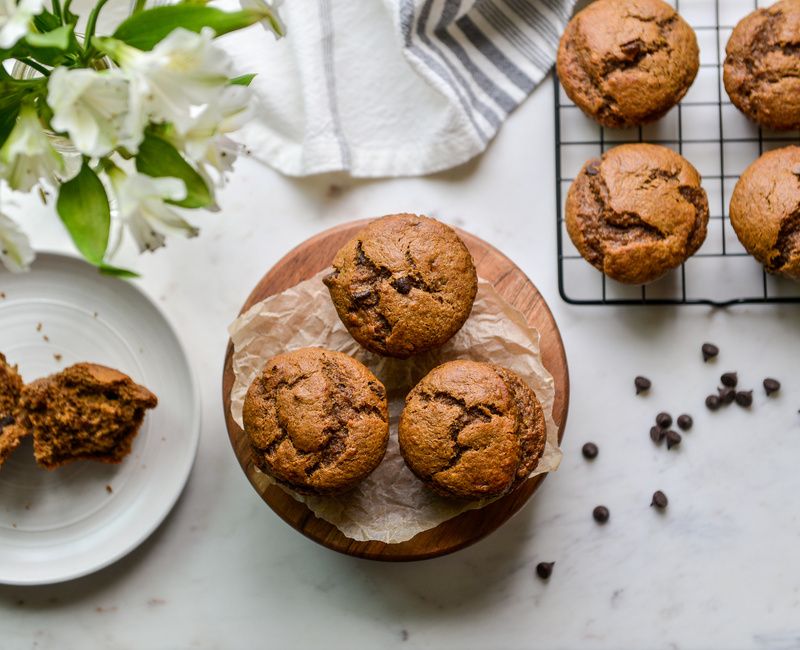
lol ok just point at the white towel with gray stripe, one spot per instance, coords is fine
(393, 87)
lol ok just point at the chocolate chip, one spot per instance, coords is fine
(632, 49)
(660, 500)
(713, 402)
(729, 379)
(673, 439)
(6, 420)
(771, 385)
(685, 421)
(709, 351)
(402, 285)
(329, 279)
(642, 384)
(657, 434)
(365, 298)
(664, 420)
(744, 398)
(593, 168)
(544, 570)
(726, 395)
(601, 514)
(590, 451)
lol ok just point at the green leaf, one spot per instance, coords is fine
(159, 159)
(83, 207)
(244, 80)
(59, 39)
(149, 27)
(107, 269)
(46, 21)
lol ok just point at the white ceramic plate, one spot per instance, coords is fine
(61, 524)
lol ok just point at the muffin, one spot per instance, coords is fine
(10, 390)
(317, 421)
(762, 66)
(637, 212)
(84, 412)
(472, 430)
(765, 211)
(403, 285)
(627, 62)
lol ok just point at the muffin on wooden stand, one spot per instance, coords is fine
(472, 430)
(403, 285)
(317, 421)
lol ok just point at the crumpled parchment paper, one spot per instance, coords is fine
(391, 505)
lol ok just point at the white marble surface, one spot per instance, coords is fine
(719, 569)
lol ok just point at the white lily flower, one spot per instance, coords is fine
(15, 20)
(206, 141)
(184, 71)
(15, 250)
(28, 157)
(91, 107)
(272, 21)
(140, 199)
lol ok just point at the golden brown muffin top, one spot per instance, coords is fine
(472, 430)
(627, 62)
(762, 66)
(317, 420)
(403, 285)
(637, 212)
(765, 210)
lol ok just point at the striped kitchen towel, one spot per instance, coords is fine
(393, 87)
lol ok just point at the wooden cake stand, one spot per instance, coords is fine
(307, 260)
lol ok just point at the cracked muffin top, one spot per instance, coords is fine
(765, 211)
(762, 66)
(403, 285)
(627, 62)
(472, 430)
(637, 212)
(317, 421)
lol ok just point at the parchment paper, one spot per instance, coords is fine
(391, 505)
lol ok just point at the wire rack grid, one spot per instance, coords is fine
(719, 141)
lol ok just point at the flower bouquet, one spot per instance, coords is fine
(137, 120)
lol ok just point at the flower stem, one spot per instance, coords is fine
(36, 66)
(65, 10)
(91, 24)
(138, 6)
(57, 10)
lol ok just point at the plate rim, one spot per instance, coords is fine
(196, 428)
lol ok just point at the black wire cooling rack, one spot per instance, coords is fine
(719, 141)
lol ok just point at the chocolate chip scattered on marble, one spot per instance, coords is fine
(771, 385)
(685, 421)
(709, 351)
(713, 402)
(726, 394)
(673, 439)
(664, 420)
(659, 500)
(729, 379)
(642, 384)
(544, 569)
(657, 434)
(744, 398)
(590, 451)
(601, 514)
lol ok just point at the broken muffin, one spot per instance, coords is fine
(85, 412)
(10, 390)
